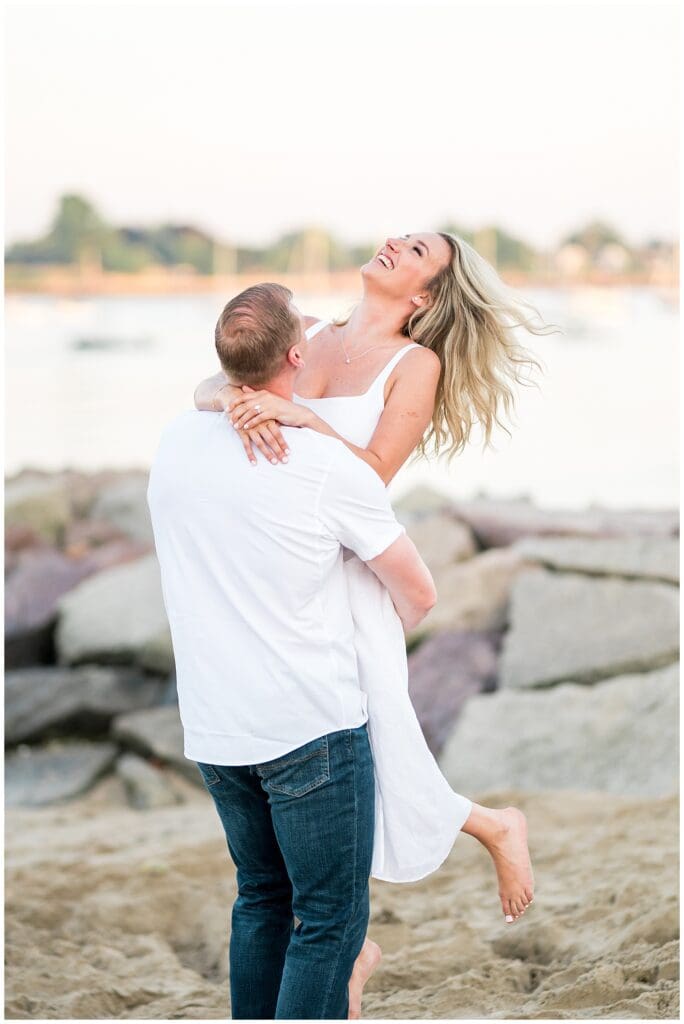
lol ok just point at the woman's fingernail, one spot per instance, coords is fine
(274, 461)
(287, 451)
(285, 460)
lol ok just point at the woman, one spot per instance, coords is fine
(426, 353)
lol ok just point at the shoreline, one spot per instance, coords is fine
(76, 284)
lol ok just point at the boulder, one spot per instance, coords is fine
(647, 557)
(498, 523)
(420, 502)
(146, 786)
(157, 732)
(473, 594)
(123, 503)
(441, 540)
(117, 617)
(40, 503)
(446, 670)
(41, 576)
(618, 736)
(569, 626)
(42, 702)
(34, 777)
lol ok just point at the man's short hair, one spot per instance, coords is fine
(254, 332)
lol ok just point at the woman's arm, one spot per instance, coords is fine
(405, 418)
(209, 392)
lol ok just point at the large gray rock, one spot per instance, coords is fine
(39, 502)
(655, 558)
(146, 786)
(39, 578)
(157, 732)
(473, 594)
(34, 777)
(446, 670)
(442, 540)
(41, 702)
(123, 503)
(570, 626)
(620, 736)
(420, 502)
(117, 617)
(497, 523)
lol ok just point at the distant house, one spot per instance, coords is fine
(572, 260)
(614, 258)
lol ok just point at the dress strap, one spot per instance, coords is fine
(315, 328)
(381, 379)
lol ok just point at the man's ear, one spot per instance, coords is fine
(295, 357)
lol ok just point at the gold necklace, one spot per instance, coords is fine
(350, 359)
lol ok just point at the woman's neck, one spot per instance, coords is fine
(374, 321)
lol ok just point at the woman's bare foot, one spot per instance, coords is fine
(504, 834)
(366, 962)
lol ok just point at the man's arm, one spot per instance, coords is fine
(408, 580)
(356, 509)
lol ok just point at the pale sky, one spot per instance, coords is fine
(254, 120)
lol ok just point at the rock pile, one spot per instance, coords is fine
(550, 659)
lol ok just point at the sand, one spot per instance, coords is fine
(118, 913)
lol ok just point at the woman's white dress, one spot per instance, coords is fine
(417, 813)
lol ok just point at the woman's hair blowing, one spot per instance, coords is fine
(469, 324)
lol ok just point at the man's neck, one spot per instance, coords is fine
(280, 385)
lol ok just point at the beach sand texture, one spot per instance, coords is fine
(117, 913)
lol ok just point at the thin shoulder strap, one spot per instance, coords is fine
(315, 328)
(380, 380)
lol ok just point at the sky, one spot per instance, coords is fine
(250, 121)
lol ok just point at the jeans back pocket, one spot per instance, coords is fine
(299, 771)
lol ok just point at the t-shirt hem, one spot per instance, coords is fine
(227, 749)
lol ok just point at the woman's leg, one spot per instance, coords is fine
(503, 833)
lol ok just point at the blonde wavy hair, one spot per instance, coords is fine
(469, 322)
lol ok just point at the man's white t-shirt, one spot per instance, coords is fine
(254, 586)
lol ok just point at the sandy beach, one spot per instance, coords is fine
(117, 913)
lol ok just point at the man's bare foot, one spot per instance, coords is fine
(504, 834)
(366, 962)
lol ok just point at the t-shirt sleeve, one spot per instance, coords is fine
(355, 509)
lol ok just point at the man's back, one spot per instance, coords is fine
(254, 584)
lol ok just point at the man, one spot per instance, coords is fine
(269, 698)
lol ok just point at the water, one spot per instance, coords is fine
(602, 427)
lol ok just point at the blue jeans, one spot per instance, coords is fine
(300, 831)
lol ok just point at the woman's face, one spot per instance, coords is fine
(405, 263)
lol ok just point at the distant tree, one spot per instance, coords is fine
(175, 244)
(77, 231)
(593, 237)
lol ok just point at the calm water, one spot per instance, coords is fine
(602, 427)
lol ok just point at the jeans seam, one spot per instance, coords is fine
(356, 853)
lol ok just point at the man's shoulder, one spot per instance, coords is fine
(187, 421)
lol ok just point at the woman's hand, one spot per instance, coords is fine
(254, 408)
(268, 439)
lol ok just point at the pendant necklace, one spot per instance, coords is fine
(350, 359)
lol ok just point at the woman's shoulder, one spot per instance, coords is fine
(420, 357)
